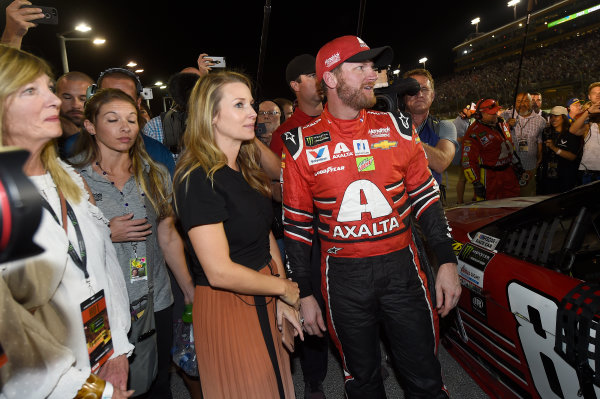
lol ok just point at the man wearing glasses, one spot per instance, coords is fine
(437, 136)
(269, 114)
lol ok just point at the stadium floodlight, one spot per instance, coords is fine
(423, 61)
(475, 21)
(513, 3)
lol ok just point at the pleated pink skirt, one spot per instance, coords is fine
(233, 361)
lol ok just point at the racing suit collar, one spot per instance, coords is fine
(345, 126)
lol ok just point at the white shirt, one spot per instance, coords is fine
(54, 286)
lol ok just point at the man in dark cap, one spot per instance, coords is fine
(365, 173)
(300, 75)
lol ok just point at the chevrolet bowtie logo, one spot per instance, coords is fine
(384, 145)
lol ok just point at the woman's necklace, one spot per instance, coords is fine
(126, 204)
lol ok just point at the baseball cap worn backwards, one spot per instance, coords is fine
(350, 49)
(301, 65)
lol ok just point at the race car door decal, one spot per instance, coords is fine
(536, 315)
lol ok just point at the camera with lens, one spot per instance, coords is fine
(20, 207)
(390, 91)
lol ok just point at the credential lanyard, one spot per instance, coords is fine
(79, 259)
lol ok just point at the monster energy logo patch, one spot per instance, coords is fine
(477, 257)
(317, 139)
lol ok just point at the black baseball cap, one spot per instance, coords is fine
(301, 65)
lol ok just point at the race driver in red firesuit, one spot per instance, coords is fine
(365, 172)
(488, 157)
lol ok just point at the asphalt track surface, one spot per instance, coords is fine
(458, 382)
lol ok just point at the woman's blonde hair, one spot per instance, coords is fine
(87, 151)
(18, 68)
(200, 148)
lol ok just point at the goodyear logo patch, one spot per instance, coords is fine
(365, 164)
(317, 139)
(384, 145)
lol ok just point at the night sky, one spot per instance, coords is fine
(164, 39)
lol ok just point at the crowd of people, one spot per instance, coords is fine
(542, 67)
(279, 221)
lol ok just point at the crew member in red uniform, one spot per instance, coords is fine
(365, 172)
(488, 157)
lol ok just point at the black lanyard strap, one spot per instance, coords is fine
(79, 259)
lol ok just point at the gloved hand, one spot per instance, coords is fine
(479, 190)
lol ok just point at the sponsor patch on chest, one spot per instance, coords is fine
(317, 139)
(318, 155)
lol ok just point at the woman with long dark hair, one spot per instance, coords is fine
(560, 157)
(134, 193)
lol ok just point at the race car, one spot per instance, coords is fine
(526, 325)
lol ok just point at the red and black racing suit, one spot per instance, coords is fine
(487, 157)
(364, 177)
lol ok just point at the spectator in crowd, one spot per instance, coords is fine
(43, 335)
(437, 136)
(461, 123)
(367, 281)
(269, 113)
(574, 108)
(487, 154)
(286, 107)
(536, 103)
(314, 351)
(18, 22)
(222, 200)
(586, 125)
(145, 112)
(169, 127)
(179, 86)
(300, 76)
(130, 84)
(71, 88)
(526, 130)
(134, 192)
(560, 151)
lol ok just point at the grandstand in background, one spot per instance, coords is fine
(561, 58)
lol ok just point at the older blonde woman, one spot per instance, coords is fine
(49, 348)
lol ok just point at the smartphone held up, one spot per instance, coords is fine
(50, 15)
